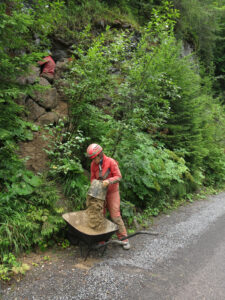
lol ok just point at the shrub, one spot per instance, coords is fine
(151, 175)
(29, 218)
(64, 151)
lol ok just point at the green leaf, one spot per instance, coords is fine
(22, 188)
(35, 181)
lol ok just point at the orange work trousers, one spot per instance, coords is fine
(112, 203)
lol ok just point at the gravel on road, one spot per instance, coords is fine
(120, 274)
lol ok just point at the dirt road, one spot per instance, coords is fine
(186, 261)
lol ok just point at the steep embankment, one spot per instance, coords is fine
(44, 106)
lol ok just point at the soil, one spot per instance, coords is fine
(86, 264)
(33, 151)
(79, 220)
(96, 219)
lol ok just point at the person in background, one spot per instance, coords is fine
(106, 169)
(47, 67)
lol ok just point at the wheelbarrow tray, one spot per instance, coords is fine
(77, 222)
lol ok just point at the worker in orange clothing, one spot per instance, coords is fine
(48, 68)
(107, 169)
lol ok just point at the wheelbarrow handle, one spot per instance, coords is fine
(139, 232)
(125, 238)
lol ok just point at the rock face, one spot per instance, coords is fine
(186, 49)
(45, 106)
(61, 67)
(47, 98)
(60, 85)
(44, 82)
(48, 118)
(34, 110)
(32, 76)
(62, 109)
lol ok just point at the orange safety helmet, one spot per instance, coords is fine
(93, 150)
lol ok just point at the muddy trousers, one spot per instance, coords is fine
(113, 206)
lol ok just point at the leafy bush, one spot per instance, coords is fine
(65, 166)
(10, 266)
(29, 218)
(151, 175)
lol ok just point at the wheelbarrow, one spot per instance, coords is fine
(77, 222)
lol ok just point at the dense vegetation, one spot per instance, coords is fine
(130, 88)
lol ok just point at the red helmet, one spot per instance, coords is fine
(93, 150)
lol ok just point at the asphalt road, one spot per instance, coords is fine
(186, 261)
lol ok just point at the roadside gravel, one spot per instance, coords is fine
(119, 274)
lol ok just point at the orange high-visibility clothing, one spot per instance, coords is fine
(109, 170)
(49, 65)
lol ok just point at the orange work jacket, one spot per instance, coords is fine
(49, 65)
(109, 170)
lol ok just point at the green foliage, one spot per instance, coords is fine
(89, 73)
(134, 93)
(65, 244)
(10, 266)
(151, 175)
(213, 136)
(198, 25)
(29, 219)
(219, 51)
(155, 90)
(91, 85)
(18, 188)
(28, 215)
(128, 211)
(201, 24)
(65, 166)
